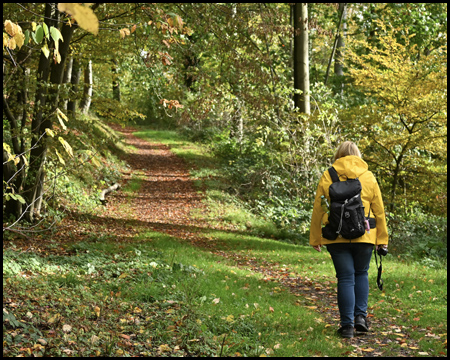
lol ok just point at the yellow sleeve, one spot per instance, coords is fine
(315, 230)
(380, 216)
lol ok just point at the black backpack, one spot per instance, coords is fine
(346, 209)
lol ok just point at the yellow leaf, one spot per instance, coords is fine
(230, 318)
(369, 349)
(95, 162)
(123, 275)
(124, 32)
(53, 319)
(84, 16)
(10, 27)
(5, 40)
(50, 132)
(12, 43)
(133, 29)
(164, 348)
(7, 147)
(33, 26)
(97, 311)
(60, 158)
(19, 38)
(45, 50)
(66, 146)
(58, 115)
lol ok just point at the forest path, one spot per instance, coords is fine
(166, 197)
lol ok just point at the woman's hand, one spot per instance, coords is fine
(318, 248)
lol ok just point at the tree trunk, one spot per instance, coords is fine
(291, 43)
(115, 83)
(339, 58)
(14, 175)
(66, 80)
(38, 144)
(342, 13)
(75, 80)
(45, 105)
(301, 58)
(87, 94)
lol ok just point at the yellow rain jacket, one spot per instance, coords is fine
(352, 167)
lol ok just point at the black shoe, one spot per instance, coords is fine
(361, 324)
(346, 331)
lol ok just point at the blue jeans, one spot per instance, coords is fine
(351, 262)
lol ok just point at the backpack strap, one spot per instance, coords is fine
(334, 175)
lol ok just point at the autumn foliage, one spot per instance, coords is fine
(402, 121)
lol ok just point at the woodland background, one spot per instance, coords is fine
(253, 99)
(272, 89)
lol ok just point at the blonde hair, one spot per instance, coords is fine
(345, 149)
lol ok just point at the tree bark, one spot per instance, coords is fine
(339, 58)
(301, 58)
(115, 82)
(342, 13)
(87, 94)
(45, 105)
(75, 80)
(38, 144)
(66, 80)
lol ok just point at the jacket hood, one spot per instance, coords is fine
(352, 166)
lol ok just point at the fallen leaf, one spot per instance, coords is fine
(164, 348)
(67, 328)
(94, 339)
(369, 349)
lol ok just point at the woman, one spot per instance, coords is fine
(351, 258)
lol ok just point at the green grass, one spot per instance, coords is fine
(193, 299)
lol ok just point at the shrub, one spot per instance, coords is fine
(419, 236)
